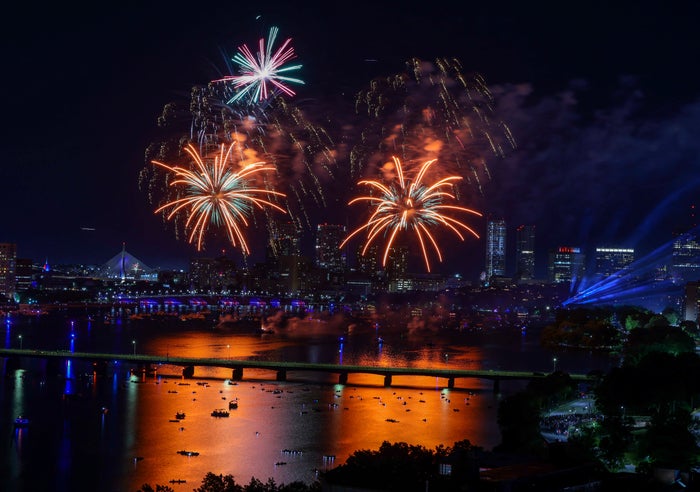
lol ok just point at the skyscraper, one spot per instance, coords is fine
(328, 252)
(525, 252)
(610, 261)
(8, 258)
(495, 248)
(566, 264)
(685, 259)
(284, 240)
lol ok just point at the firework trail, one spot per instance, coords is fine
(432, 111)
(302, 152)
(262, 74)
(214, 192)
(415, 206)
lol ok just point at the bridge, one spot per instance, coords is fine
(282, 368)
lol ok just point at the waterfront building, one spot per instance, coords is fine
(212, 274)
(685, 256)
(611, 261)
(397, 263)
(566, 264)
(285, 239)
(24, 273)
(329, 256)
(369, 264)
(495, 248)
(525, 252)
(8, 280)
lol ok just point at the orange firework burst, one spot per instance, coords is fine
(215, 193)
(410, 205)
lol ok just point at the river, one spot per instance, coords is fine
(116, 429)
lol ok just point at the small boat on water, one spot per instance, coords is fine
(180, 415)
(233, 404)
(21, 422)
(219, 412)
(188, 453)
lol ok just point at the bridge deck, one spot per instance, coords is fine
(283, 367)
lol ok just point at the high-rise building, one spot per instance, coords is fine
(397, 263)
(328, 253)
(285, 240)
(24, 271)
(495, 248)
(525, 252)
(566, 264)
(685, 257)
(212, 274)
(368, 264)
(611, 261)
(8, 258)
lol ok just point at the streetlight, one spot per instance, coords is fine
(554, 364)
(133, 342)
(20, 342)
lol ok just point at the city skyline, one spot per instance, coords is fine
(603, 122)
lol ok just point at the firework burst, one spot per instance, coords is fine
(262, 74)
(215, 193)
(413, 206)
(432, 111)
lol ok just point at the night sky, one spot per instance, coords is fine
(603, 100)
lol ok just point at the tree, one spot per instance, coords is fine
(519, 421)
(218, 483)
(668, 441)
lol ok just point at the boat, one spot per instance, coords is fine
(233, 404)
(219, 412)
(180, 415)
(21, 422)
(178, 480)
(188, 453)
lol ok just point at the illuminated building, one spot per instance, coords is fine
(495, 248)
(566, 264)
(525, 252)
(611, 261)
(8, 258)
(329, 256)
(397, 263)
(285, 240)
(685, 257)
(212, 274)
(369, 263)
(24, 271)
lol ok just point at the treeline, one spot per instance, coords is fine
(607, 327)
(227, 483)
(644, 406)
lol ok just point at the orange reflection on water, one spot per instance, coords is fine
(289, 430)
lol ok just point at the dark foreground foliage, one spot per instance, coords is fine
(226, 483)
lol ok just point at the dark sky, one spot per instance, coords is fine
(603, 100)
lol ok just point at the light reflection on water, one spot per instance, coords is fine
(135, 442)
(316, 419)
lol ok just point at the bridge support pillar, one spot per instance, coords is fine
(188, 372)
(451, 383)
(281, 375)
(343, 378)
(387, 380)
(496, 385)
(237, 374)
